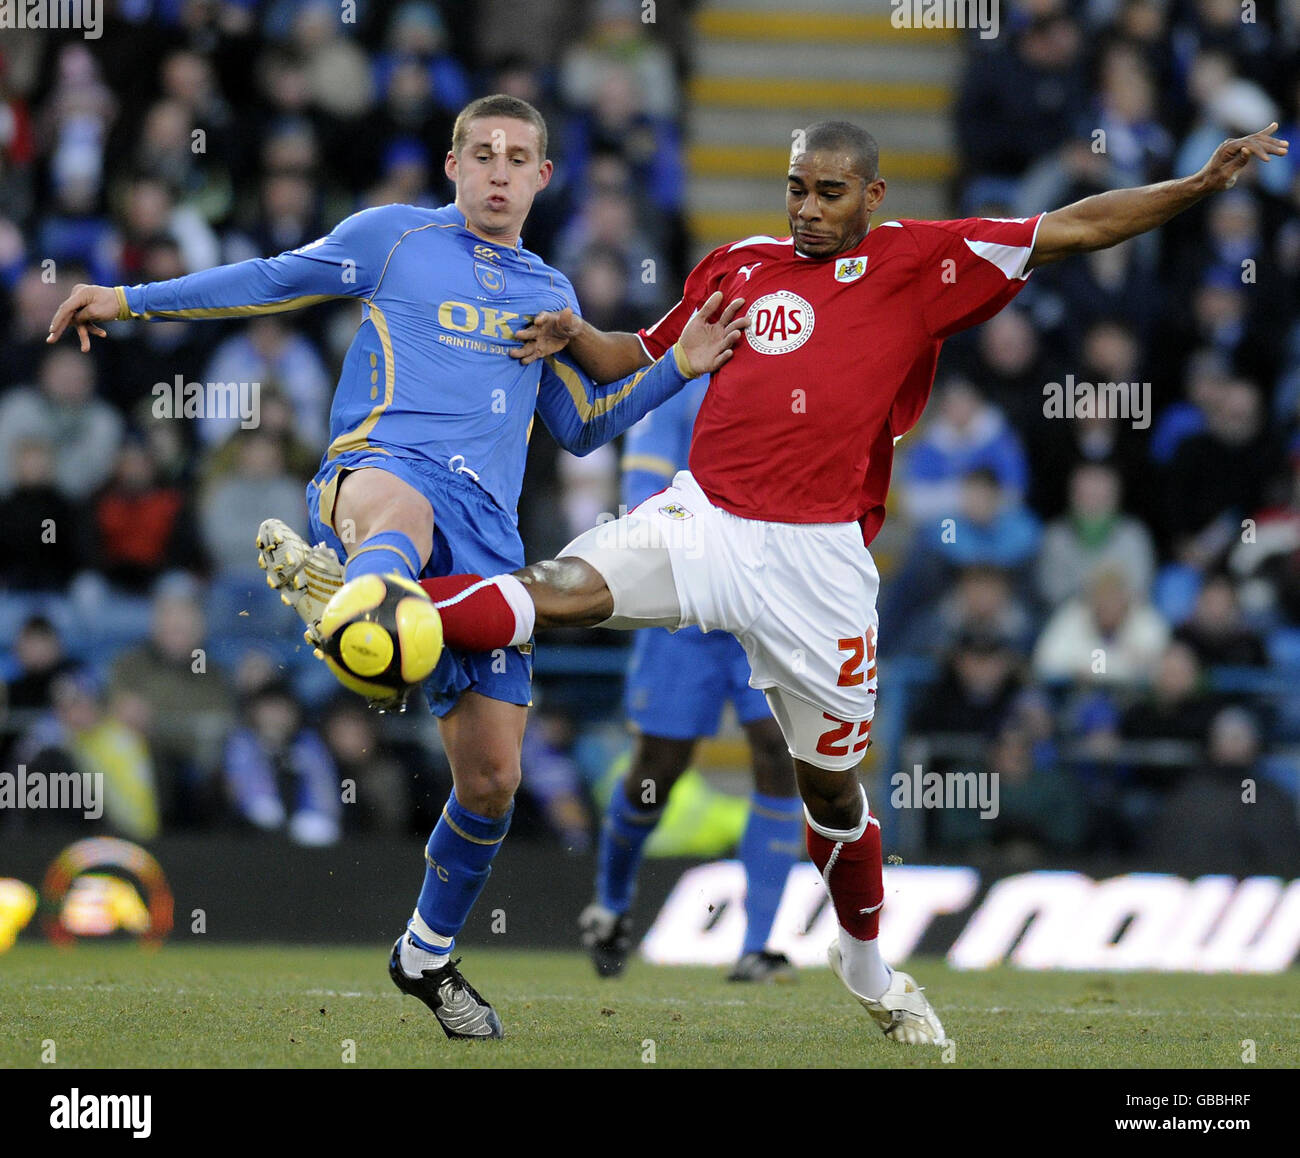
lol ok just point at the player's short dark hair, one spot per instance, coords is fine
(845, 137)
(497, 105)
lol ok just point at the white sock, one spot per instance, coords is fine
(863, 967)
(415, 960)
(521, 603)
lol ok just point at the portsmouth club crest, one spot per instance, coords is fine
(490, 277)
(850, 268)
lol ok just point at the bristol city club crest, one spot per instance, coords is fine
(779, 322)
(850, 268)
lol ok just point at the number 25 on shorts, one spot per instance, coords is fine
(859, 647)
(835, 740)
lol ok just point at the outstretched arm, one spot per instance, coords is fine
(1109, 218)
(341, 264)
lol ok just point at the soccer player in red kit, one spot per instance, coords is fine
(766, 535)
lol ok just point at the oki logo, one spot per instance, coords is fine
(779, 322)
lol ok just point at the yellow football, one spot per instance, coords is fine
(381, 634)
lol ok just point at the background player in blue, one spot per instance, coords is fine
(677, 686)
(429, 430)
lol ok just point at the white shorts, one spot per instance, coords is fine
(800, 597)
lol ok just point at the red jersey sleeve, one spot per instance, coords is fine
(970, 269)
(702, 281)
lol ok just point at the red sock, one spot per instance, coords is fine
(476, 616)
(855, 879)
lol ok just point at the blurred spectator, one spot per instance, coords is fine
(617, 122)
(1093, 533)
(991, 527)
(406, 177)
(1019, 101)
(1138, 146)
(607, 219)
(981, 601)
(379, 799)
(1039, 808)
(1174, 712)
(553, 780)
(1207, 371)
(232, 505)
(602, 281)
(279, 773)
(39, 659)
(1216, 631)
(79, 736)
(416, 36)
(1270, 556)
(150, 215)
(977, 690)
(38, 525)
(1011, 367)
(74, 121)
(1217, 477)
(1107, 635)
(181, 701)
(338, 71)
(267, 352)
(589, 487)
(961, 433)
(64, 414)
(615, 43)
(1253, 821)
(1061, 444)
(35, 298)
(141, 527)
(985, 528)
(1119, 282)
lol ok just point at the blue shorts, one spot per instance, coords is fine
(471, 534)
(678, 684)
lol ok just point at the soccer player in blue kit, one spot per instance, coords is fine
(429, 430)
(677, 686)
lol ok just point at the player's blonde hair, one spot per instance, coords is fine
(497, 105)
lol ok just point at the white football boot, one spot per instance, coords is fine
(902, 1011)
(305, 576)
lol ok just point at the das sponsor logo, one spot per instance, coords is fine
(779, 322)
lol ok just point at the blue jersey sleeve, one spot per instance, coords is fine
(657, 447)
(347, 262)
(583, 416)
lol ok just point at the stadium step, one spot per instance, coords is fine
(762, 71)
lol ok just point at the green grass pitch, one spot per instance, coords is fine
(272, 1006)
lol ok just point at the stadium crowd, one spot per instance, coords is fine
(1102, 608)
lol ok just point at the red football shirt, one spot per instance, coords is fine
(838, 360)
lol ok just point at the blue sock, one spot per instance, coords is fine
(382, 554)
(622, 837)
(458, 861)
(771, 845)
